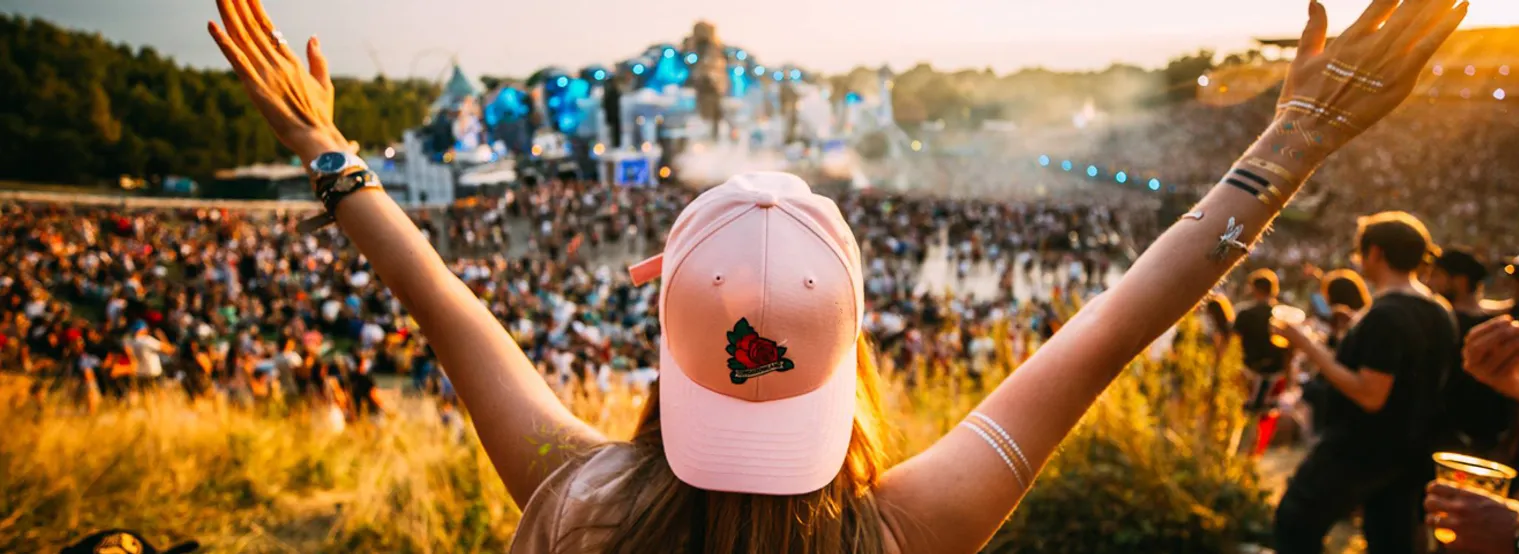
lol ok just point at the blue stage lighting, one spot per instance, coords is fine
(638, 69)
(1122, 177)
(600, 75)
(742, 55)
(796, 74)
(1154, 184)
(691, 58)
(563, 81)
(669, 52)
(1091, 171)
(779, 75)
(760, 71)
(1044, 161)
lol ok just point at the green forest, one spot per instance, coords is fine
(78, 109)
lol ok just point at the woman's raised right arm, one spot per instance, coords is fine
(513, 410)
(961, 489)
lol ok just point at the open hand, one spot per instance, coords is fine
(1491, 355)
(296, 103)
(1335, 91)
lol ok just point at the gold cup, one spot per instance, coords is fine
(1471, 473)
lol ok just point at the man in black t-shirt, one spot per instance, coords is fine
(1476, 417)
(1388, 377)
(1253, 325)
(1266, 359)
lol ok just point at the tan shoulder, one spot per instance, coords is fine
(578, 494)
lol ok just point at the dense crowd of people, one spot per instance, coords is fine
(1458, 152)
(105, 301)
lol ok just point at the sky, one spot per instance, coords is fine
(514, 38)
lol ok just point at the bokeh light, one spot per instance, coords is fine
(1499, 94)
(1121, 177)
(1154, 184)
(1091, 171)
(1202, 81)
(1044, 161)
(1066, 165)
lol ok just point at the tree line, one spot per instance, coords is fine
(78, 109)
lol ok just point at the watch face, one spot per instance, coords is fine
(331, 162)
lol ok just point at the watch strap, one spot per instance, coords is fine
(316, 222)
(331, 190)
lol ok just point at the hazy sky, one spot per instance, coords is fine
(504, 37)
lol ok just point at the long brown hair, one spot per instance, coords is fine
(663, 514)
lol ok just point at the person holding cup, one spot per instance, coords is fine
(1265, 354)
(1473, 518)
(1386, 379)
(1480, 523)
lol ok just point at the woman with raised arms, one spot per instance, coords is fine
(765, 432)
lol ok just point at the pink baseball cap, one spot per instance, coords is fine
(761, 303)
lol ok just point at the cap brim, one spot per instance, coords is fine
(790, 446)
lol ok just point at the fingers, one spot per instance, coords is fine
(1441, 491)
(1503, 357)
(235, 56)
(1489, 338)
(1486, 331)
(1375, 14)
(1407, 16)
(1425, 48)
(280, 46)
(1442, 519)
(318, 63)
(1315, 33)
(262, 39)
(237, 34)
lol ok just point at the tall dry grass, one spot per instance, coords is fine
(1146, 471)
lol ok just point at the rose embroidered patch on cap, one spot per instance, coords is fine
(750, 355)
(760, 304)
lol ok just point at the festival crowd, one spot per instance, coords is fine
(103, 301)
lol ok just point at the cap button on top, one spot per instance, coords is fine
(766, 199)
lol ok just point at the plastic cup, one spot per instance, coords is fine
(1471, 473)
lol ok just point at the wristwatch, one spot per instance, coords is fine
(334, 164)
(335, 175)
